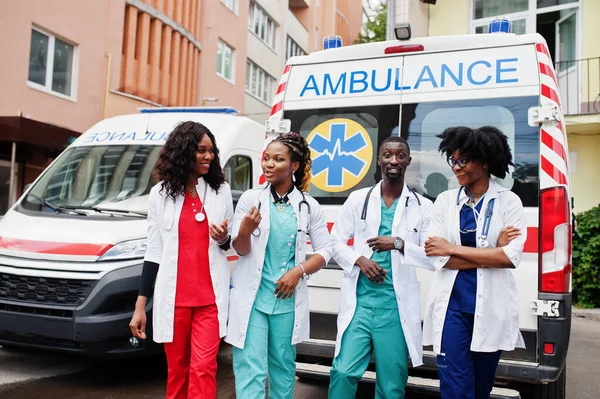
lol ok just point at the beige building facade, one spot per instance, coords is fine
(571, 30)
(73, 63)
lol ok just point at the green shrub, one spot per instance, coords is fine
(586, 259)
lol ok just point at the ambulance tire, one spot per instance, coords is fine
(553, 390)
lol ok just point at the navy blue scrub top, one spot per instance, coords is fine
(464, 291)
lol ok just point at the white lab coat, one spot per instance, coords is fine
(406, 219)
(163, 248)
(496, 325)
(247, 274)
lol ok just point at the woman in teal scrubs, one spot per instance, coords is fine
(269, 296)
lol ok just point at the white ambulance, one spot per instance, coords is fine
(346, 100)
(72, 248)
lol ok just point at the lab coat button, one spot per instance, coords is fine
(283, 263)
(289, 244)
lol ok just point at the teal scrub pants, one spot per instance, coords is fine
(268, 350)
(377, 330)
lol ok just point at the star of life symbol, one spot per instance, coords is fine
(344, 148)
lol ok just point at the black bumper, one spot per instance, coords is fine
(99, 326)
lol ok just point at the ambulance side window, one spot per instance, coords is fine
(429, 173)
(238, 172)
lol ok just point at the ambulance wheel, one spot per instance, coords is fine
(553, 390)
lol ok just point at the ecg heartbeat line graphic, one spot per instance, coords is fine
(337, 154)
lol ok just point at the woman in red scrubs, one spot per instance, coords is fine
(188, 234)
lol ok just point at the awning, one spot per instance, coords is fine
(23, 130)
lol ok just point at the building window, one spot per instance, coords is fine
(292, 49)
(225, 61)
(238, 172)
(231, 4)
(262, 25)
(490, 8)
(259, 83)
(51, 63)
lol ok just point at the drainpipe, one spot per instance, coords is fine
(390, 20)
(107, 85)
(11, 187)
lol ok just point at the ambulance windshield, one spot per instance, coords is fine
(344, 143)
(93, 180)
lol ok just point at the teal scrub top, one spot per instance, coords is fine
(380, 295)
(279, 258)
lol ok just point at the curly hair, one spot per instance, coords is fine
(177, 159)
(485, 144)
(300, 152)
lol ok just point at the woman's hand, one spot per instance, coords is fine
(287, 283)
(507, 235)
(437, 246)
(137, 325)
(219, 233)
(382, 243)
(250, 222)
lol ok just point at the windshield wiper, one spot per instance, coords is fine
(56, 208)
(108, 210)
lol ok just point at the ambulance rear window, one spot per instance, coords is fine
(429, 173)
(344, 143)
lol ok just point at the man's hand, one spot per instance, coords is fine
(382, 243)
(372, 270)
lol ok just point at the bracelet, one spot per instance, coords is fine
(227, 239)
(304, 275)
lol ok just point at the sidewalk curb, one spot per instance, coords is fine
(591, 314)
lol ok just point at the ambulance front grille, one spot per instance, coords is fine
(44, 290)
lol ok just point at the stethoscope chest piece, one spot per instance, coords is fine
(200, 217)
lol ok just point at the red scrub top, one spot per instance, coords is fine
(194, 284)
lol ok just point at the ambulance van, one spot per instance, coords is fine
(72, 247)
(346, 100)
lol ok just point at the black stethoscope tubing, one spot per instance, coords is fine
(257, 232)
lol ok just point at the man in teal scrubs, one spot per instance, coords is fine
(375, 320)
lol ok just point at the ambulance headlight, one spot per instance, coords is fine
(500, 25)
(402, 31)
(134, 249)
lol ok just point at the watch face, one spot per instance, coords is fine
(398, 243)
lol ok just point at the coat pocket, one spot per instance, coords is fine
(168, 215)
(413, 301)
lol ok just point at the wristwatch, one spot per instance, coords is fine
(399, 243)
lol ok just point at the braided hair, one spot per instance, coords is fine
(300, 152)
(485, 144)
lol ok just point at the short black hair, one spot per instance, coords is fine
(395, 139)
(485, 144)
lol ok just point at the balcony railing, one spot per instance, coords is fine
(579, 85)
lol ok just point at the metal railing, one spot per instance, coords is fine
(579, 85)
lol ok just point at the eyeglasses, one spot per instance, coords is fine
(461, 162)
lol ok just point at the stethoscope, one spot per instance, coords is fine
(257, 232)
(363, 215)
(200, 215)
(489, 211)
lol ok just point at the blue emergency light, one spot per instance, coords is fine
(500, 25)
(332, 41)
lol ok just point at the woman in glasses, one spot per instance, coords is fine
(476, 238)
